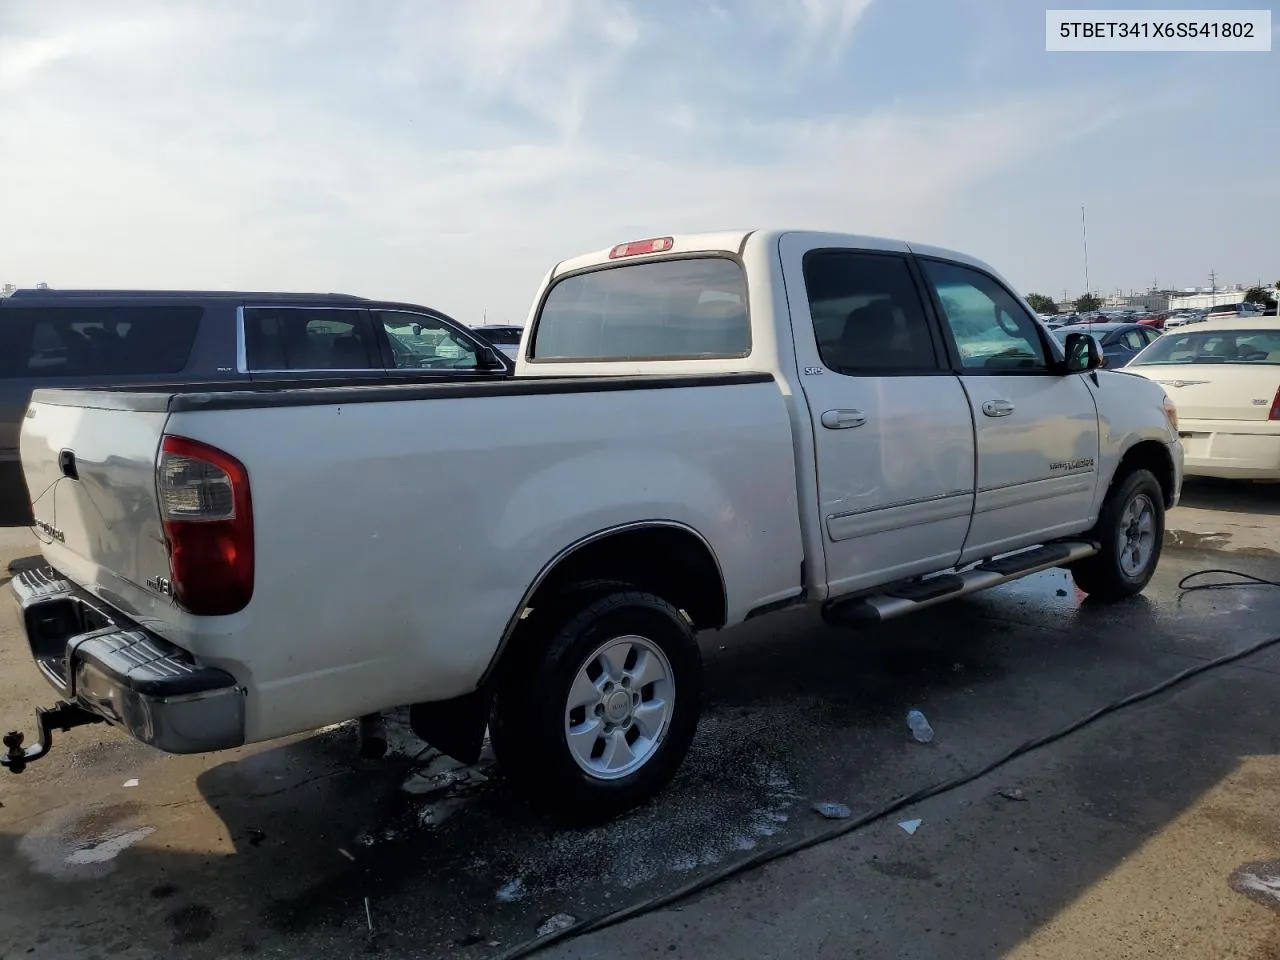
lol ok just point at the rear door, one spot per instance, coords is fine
(893, 434)
(1036, 427)
(80, 345)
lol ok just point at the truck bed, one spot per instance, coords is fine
(396, 541)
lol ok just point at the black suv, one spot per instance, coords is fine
(70, 338)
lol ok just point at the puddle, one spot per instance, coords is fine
(1186, 540)
(1049, 588)
(83, 844)
(1259, 881)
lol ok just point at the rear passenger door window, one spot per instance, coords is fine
(308, 340)
(867, 314)
(991, 330)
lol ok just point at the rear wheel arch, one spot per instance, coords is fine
(667, 558)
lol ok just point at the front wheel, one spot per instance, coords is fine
(1130, 530)
(599, 718)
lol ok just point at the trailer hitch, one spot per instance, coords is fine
(61, 716)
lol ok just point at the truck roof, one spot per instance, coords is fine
(733, 241)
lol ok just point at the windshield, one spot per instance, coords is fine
(1214, 346)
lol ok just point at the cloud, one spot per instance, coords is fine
(449, 154)
(830, 23)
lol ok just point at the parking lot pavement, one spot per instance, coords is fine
(1126, 838)
(1229, 516)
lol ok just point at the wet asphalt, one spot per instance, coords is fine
(297, 849)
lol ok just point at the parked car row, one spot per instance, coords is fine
(699, 430)
(1119, 342)
(1160, 320)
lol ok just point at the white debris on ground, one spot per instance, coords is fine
(833, 811)
(510, 892)
(401, 740)
(554, 924)
(693, 824)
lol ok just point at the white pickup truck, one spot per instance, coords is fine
(700, 429)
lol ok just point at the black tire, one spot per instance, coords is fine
(1109, 575)
(528, 730)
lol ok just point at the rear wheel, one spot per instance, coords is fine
(1130, 530)
(598, 716)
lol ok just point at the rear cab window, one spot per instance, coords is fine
(58, 342)
(692, 308)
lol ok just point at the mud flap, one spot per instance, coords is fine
(454, 727)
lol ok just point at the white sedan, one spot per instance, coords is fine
(1224, 378)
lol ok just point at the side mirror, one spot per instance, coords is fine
(487, 359)
(1083, 353)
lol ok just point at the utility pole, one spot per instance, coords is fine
(1084, 239)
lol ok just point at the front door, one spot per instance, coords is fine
(893, 435)
(1036, 427)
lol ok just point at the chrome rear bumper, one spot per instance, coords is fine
(102, 663)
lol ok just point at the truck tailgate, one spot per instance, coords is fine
(91, 471)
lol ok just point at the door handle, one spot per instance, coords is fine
(842, 419)
(997, 408)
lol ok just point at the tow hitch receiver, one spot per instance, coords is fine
(61, 716)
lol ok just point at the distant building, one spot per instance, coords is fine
(1203, 301)
(1154, 301)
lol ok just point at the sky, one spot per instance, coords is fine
(450, 153)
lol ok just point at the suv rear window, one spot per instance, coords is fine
(87, 341)
(660, 310)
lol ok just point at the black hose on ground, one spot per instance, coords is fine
(651, 904)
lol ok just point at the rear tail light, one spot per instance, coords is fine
(1171, 413)
(1275, 407)
(208, 526)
